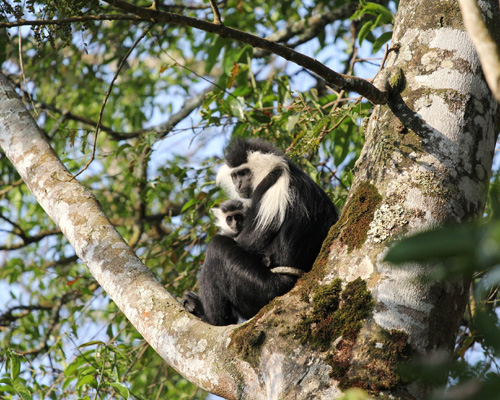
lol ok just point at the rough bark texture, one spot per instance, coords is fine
(426, 161)
(428, 154)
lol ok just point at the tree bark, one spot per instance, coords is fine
(426, 162)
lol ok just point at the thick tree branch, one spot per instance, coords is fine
(484, 43)
(199, 351)
(346, 82)
(341, 81)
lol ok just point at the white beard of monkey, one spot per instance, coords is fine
(274, 203)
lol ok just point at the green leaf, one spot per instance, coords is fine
(21, 389)
(14, 366)
(71, 368)
(381, 40)
(375, 10)
(364, 31)
(191, 202)
(378, 10)
(121, 389)
(434, 245)
(213, 53)
(86, 380)
(7, 389)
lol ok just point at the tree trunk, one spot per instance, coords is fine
(426, 161)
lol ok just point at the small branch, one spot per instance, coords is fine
(215, 10)
(18, 231)
(17, 312)
(27, 240)
(10, 186)
(162, 129)
(122, 63)
(309, 28)
(485, 45)
(62, 21)
(62, 262)
(346, 82)
(187, 108)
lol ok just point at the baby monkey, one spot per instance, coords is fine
(230, 216)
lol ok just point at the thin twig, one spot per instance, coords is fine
(21, 65)
(10, 187)
(215, 10)
(63, 21)
(108, 93)
(382, 64)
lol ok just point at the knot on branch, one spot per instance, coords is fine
(391, 80)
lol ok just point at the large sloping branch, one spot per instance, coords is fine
(485, 45)
(195, 349)
(345, 82)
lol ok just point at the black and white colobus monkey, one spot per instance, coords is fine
(229, 217)
(287, 220)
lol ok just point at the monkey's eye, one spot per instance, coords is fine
(240, 173)
(229, 219)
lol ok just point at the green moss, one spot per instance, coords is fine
(247, 340)
(397, 80)
(335, 313)
(352, 227)
(384, 352)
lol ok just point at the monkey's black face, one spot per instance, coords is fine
(235, 222)
(242, 179)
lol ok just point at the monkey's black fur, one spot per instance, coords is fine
(234, 284)
(234, 281)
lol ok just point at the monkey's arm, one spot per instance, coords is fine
(253, 238)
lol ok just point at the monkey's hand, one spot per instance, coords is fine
(192, 304)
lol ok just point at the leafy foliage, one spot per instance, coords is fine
(383, 17)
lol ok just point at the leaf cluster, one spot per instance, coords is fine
(382, 17)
